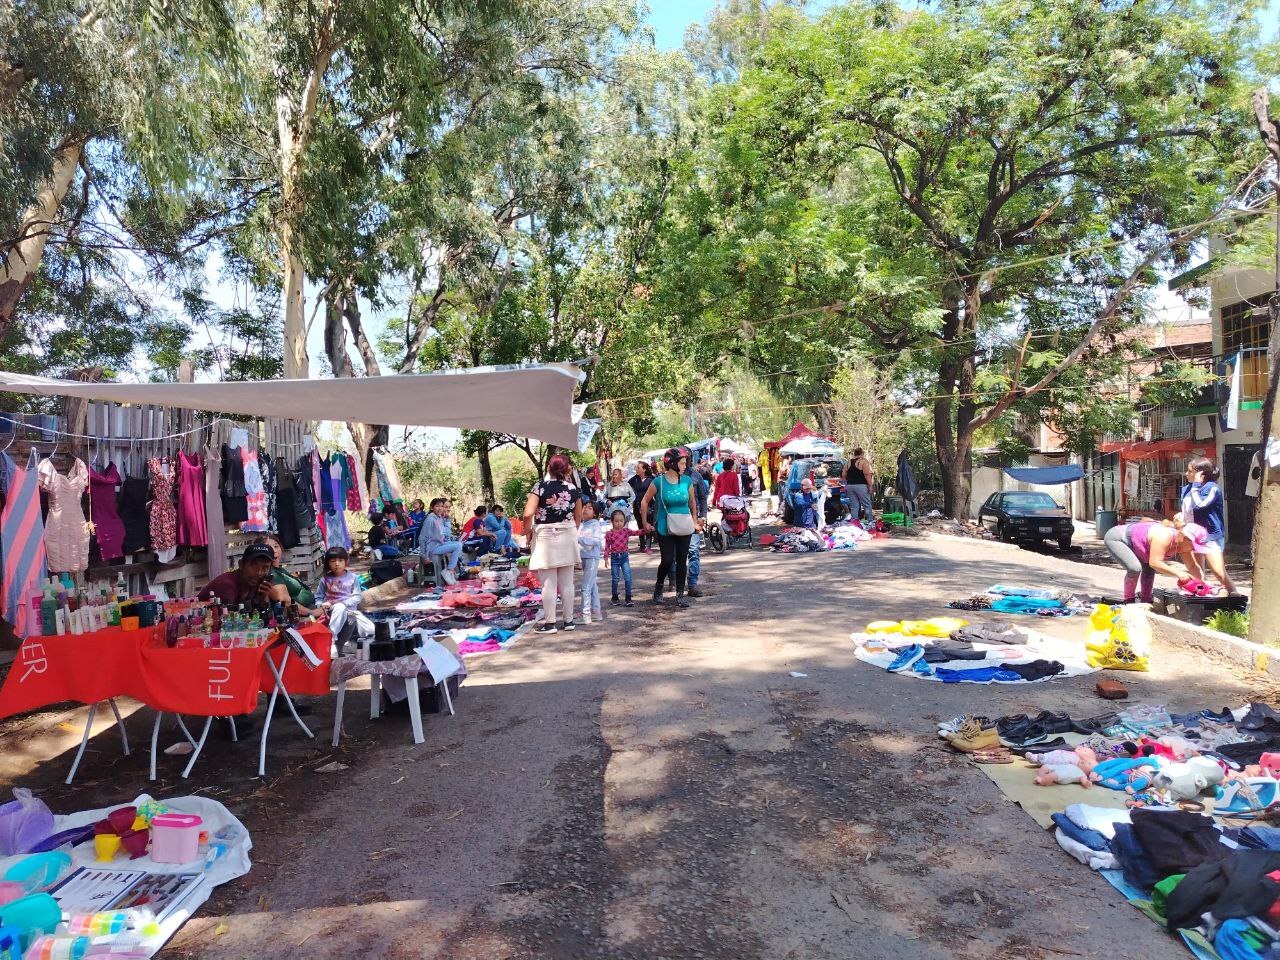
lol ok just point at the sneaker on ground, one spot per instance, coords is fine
(545, 628)
(694, 592)
(571, 626)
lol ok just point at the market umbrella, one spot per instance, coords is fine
(907, 486)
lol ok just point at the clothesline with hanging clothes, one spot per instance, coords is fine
(100, 439)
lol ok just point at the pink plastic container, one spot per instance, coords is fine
(175, 837)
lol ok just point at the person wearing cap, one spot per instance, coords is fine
(299, 593)
(1144, 549)
(250, 583)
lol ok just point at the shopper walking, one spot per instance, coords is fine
(552, 513)
(701, 494)
(640, 484)
(591, 549)
(676, 511)
(859, 481)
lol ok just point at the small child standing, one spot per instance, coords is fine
(617, 544)
(591, 547)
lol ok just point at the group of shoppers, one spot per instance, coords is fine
(1196, 536)
(564, 526)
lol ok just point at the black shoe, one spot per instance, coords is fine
(570, 625)
(628, 603)
(693, 592)
(681, 602)
(657, 597)
(615, 601)
(545, 628)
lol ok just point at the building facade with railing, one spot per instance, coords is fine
(1241, 333)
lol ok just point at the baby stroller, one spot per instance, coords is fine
(734, 525)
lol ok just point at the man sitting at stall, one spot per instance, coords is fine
(498, 524)
(250, 583)
(477, 538)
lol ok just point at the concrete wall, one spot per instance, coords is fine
(989, 480)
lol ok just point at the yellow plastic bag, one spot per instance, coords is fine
(934, 627)
(1118, 638)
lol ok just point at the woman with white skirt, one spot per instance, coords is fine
(552, 513)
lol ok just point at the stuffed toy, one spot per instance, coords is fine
(1066, 766)
(1187, 779)
(1131, 776)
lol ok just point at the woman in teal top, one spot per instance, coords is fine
(676, 520)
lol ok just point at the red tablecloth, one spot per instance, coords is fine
(115, 662)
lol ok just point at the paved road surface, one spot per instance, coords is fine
(659, 786)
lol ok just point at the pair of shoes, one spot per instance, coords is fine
(681, 602)
(545, 628)
(694, 592)
(615, 601)
(569, 625)
(982, 740)
(628, 603)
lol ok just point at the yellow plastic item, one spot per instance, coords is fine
(1119, 638)
(106, 846)
(934, 627)
(884, 626)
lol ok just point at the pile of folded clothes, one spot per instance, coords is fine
(798, 540)
(956, 651)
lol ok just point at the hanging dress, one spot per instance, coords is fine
(215, 523)
(353, 487)
(164, 515)
(267, 464)
(135, 493)
(108, 528)
(235, 504)
(286, 509)
(336, 528)
(22, 539)
(66, 535)
(257, 494)
(193, 530)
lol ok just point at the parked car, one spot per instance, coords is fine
(823, 471)
(1026, 516)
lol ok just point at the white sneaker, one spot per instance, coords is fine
(449, 577)
(586, 619)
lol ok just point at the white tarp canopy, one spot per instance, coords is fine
(734, 448)
(812, 447)
(535, 402)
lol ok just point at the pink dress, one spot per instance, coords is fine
(66, 535)
(193, 531)
(108, 528)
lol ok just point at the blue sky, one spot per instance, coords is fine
(670, 19)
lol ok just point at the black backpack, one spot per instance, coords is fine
(383, 571)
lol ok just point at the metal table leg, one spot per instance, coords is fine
(84, 742)
(415, 708)
(124, 734)
(208, 722)
(337, 711)
(276, 690)
(155, 738)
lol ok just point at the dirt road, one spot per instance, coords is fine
(661, 786)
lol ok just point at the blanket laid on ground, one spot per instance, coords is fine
(1040, 658)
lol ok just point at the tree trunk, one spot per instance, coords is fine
(296, 366)
(22, 260)
(486, 473)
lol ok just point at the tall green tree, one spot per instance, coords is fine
(911, 183)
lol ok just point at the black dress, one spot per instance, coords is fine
(134, 494)
(286, 511)
(235, 499)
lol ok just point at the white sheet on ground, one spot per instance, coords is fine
(235, 863)
(1040, 646)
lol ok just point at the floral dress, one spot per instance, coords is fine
(164, 515)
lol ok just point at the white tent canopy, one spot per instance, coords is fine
(734, 448)
(535, 402)
(812, 447)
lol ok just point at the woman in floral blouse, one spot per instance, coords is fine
(551, 515)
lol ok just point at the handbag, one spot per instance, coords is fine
(678, 524)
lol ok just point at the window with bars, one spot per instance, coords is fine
(1246, 330)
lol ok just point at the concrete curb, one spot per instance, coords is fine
(1219, 646)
